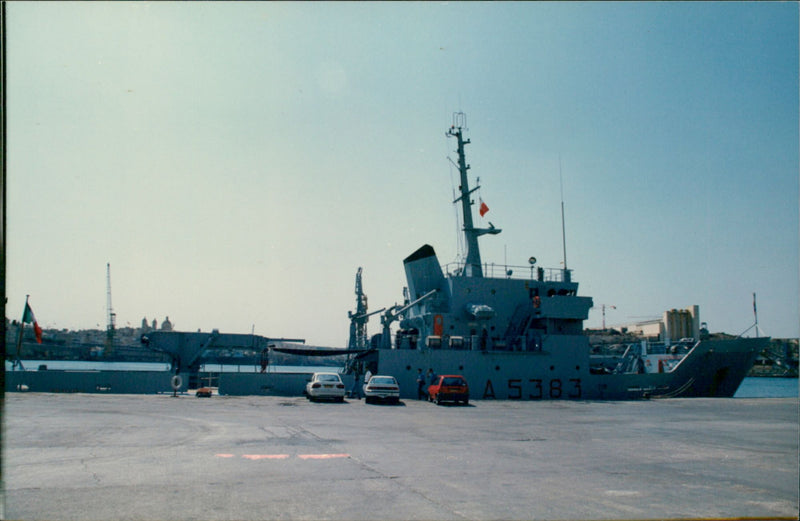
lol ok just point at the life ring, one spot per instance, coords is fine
(176, 382)
(537, 301)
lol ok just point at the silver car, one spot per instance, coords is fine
(325, 386)
(381, 387)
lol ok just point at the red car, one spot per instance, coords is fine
(449, 388)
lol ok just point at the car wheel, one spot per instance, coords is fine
(438, 400)
(466, 401)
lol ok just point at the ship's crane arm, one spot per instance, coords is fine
(395, 312)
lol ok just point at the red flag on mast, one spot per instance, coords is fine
(483, 208)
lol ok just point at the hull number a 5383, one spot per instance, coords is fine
(537, 389)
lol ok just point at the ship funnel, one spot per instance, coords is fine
(423, 272)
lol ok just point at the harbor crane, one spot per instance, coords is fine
(604, 306)
(112, 317)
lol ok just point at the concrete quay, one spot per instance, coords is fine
(144, 457)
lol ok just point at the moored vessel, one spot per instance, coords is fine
(520, 335)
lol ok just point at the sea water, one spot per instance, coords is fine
(226, 368)
(81, 365)
(766, 387)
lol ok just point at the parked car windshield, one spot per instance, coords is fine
(382, 380)
(327, 378)
(453, 381)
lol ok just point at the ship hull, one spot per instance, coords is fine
(108, 382)
(711, 369)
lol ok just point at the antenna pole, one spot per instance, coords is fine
(563, 225)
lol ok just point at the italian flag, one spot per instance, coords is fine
(29, 318)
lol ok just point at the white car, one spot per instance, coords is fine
(325, 385)
(383, 388)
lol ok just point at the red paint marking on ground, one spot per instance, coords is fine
(255, 457)
(265, 456)
(322, 456)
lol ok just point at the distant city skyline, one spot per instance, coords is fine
(236, 163)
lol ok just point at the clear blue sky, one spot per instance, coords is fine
(237, 162)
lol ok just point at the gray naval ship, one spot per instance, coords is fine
(522, 337)
(517, 336)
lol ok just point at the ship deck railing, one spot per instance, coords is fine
(608, 357)
(652, 347)
(507, 271)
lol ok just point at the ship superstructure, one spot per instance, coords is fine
(520, 310)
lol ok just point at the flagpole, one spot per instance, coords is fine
(19, 338)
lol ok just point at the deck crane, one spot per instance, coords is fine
(394, 313)
(359, 319)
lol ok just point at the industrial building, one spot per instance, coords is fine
(674, 324)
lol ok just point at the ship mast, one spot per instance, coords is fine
(472, 265)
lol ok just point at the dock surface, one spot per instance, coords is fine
(144, 457)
